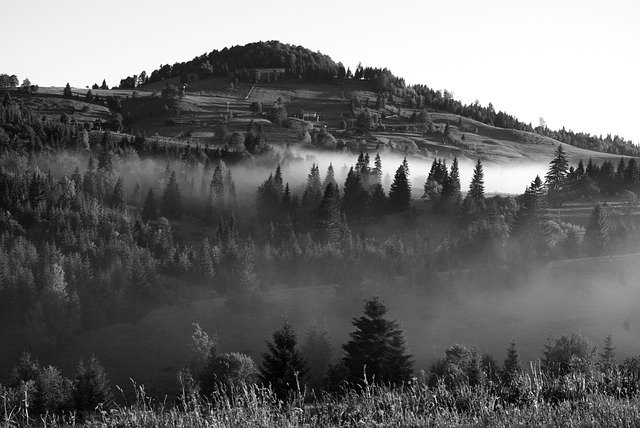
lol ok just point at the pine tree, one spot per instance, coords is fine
(330, 224)
(608, 354)
(476, 188)
(149, 208)
(378, 201)
(283, 367)
(377, 348)
(216, 203)
(313, 191)
(117, 195)
(400, 192)
(104, 85)
(455, 176)
(512, 367)
(91, 386)
(355, 197)
(67, 92)
(172, 200)
(596, 233)
(106, 161)
(330, 177)
(317, 352)
(556, 177)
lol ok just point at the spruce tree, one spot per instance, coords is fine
(330, 224)
(608, 354)
(378, 201)
(149, 208)
(330, 177)
(596, 233)
(455, 176)
(283, 367)
(400, 192)
(377, 348)
(117, 195)
(476, 188)
(171, 199)
(556, 177)
(67, 91)
(512, 367)
(355, 197)
(91, 386)
(317, 352)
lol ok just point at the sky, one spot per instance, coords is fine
(573, 62)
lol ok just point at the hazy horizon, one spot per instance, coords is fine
(570, 63)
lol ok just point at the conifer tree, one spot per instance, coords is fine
(171, 199)
(117, 195)
(313, 191)
(91, 386)
(67, 92)
(596, 233)
(149, 208)
(283, 367)
(330, 177)
(377, 348)
(455, 176)
(317, 352)
(330, 223)
(608, 354)
(216, 204)
(512, 367)
(378, 201)
(400, 192)
(476, 188)
(355, 197)
(556, 177)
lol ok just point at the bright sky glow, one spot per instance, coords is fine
(573, 62)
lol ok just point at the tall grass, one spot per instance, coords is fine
(533, 399)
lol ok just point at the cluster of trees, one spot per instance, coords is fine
(376, 352)
(324, 209)
(44, 389)
(243, 61)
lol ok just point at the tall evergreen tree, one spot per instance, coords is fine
(377, 348)
(596, 233)
(378, 201)
(400, 192)
(556, 177)
(117, 195)
(317, 352)
(355, 197)
(476, 188)
(330, 177)
(331, 226)
(512, 367)
(67, 91)
(149, 208)
(283, 367)
(171, 199)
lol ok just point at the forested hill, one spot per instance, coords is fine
(239, 60)
(268, 62)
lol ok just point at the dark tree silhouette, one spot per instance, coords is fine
(282, 365)
(377, 348)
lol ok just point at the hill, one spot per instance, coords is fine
(270, 62)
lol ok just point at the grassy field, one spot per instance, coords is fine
(206, 104)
